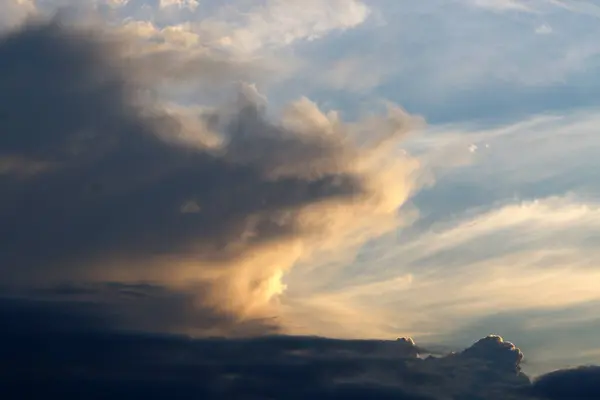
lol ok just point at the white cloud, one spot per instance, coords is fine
(117, 3)
(352, 74)
(280, 23)
(543, 29)
(13, 12)
(502, 5)
(190, 4)
(577, 6)
(560, 149)
(518, 257)
(509, 255)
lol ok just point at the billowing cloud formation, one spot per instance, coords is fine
(101, 183)
(496, 349)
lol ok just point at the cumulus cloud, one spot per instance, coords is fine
(107, 185)
(495, 349)
(544, 29)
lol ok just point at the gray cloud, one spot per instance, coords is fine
(96, 362)
(113, 306)
(98, 186)
(78, 357)
(575, 383)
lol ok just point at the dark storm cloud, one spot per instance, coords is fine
(80, 359)
(55, 344)
(575, 383)
(111, 181)
(99, 184)
(96, 363)
(120, 307)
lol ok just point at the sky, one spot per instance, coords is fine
(341, 168)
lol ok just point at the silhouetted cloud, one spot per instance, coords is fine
(95, 362)
(576, 383)
(74, 341)
(495, 350)
(114, 306)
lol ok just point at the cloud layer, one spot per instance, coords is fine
(75, 357)
(62, 348)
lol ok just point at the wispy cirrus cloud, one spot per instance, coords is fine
(279, 23)
(498, 271)
(503, 5)
(507, 236)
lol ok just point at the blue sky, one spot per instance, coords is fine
(500, 234)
